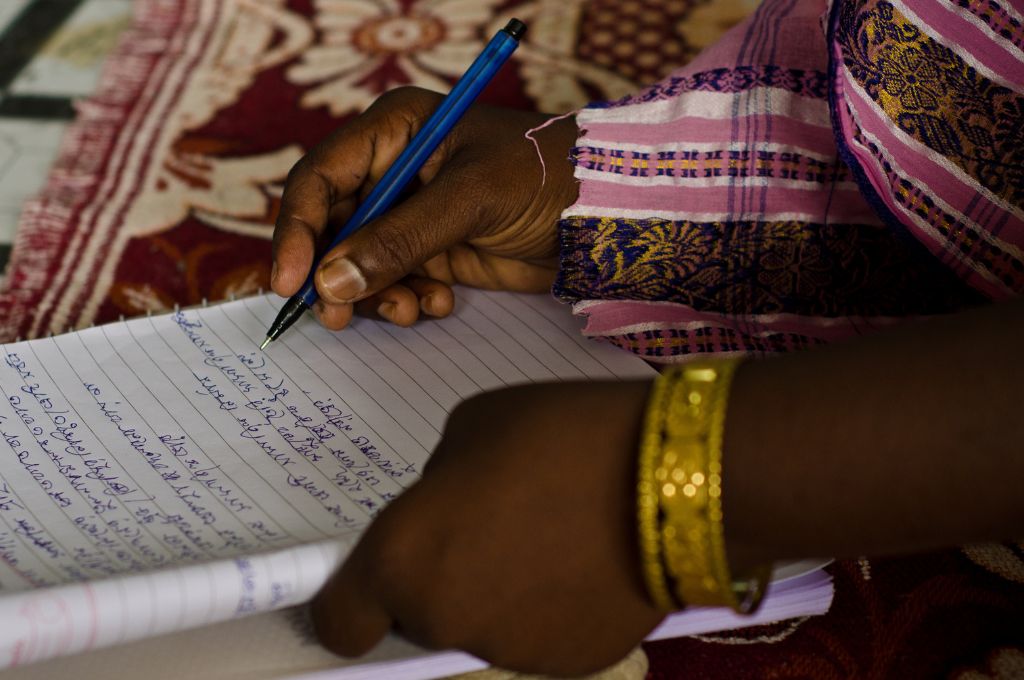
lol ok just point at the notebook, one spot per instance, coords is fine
(162, 474)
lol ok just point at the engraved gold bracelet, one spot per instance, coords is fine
(648, 506)
(682, 539)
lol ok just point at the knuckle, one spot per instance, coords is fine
(298, 172)
(475, 207)
(403, 92)
(406, 94)
(395, 249)
(311, 168)
(405, 105)
(319, 157)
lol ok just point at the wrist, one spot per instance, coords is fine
(747, 539)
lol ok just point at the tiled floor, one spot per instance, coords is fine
(68, 65)
(51, 53)
(11, 9)
(27, 149)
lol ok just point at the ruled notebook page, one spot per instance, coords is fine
(163, 473)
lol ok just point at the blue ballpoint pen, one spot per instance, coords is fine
(410, 161)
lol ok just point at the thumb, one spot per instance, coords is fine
(444, 212)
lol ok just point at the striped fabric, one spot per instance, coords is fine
(929, 101)
(819, 173)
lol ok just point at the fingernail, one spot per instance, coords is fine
(341, 280)
(273, 274)
(427, 304)
(387, 310)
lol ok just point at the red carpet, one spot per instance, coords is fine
(168, 185)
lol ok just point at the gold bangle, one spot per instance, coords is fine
(686, 422)
(648, 510)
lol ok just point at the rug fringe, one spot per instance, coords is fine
(43, 236)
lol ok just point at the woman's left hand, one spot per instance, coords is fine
(519, 543)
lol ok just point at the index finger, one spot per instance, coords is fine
(305, 206)
(334, 172)
(330, 174)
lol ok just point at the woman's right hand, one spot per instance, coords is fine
(481, 217)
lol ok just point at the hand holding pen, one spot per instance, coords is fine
(460, 225)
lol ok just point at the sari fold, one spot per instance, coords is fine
(821, 172)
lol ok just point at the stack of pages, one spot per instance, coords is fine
(163, 474)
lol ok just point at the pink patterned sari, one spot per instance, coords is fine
(820, 173)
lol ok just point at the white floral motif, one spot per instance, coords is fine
(554, 77)
(364, 42)
(232, 193)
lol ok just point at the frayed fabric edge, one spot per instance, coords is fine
(530, 135)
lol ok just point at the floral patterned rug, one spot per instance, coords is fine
(168, 184)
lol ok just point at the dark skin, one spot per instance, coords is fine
(907, 440)
(470, 223)
(518, 545)
(430, 565)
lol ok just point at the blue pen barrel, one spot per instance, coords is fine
(433, 132)
(426, 141)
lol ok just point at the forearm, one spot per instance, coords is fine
(906, 440)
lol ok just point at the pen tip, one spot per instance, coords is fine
(265, 343)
